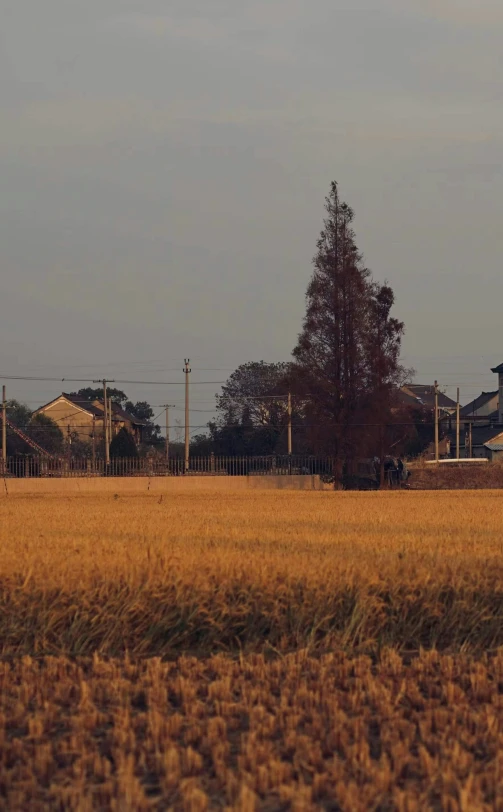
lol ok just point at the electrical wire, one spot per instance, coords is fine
(42, 428)
(115, 380)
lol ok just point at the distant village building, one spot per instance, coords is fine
(80, 417)
(483, 409)
(495, 449)
(481, 424)
(499, 372)
(423, 395)
(481, 420)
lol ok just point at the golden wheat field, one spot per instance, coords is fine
(253, 650)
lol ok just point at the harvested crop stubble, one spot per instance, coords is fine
(203, 572)
(296, 733)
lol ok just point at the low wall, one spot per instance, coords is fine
(137, 485)
(456, 477)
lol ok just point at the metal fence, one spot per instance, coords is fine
(213, 465)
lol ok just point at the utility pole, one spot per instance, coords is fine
(69, 446)
(187, 372)
(110, 413)
(457, 426)
(289, 423)
(436, 421)
(470, 439)
(105, 424)
(4, 430)
(94, 444)
(105, 419)
(167, 406)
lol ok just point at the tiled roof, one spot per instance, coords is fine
(83, 403)
(484, 434)
(80, 403)
(494, 446)
(120, 412)
(408, 399)
(478, 403)
(425, 395)
(480, 435)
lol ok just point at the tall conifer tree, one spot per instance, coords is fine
(347, 355)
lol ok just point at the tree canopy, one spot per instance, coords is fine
(252, 410)
(90, 393)
(143, 411)
(123, 445)
(39, 428)
(347, 355)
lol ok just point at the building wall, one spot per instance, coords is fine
(66, 415)
(117, 422)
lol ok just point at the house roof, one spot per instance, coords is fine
(498, 368)
(486, 434)
(80, 403)
(478, 403)
(121, 413)
(424, 394)
(408, 399)
(83, 403)
(481, 435)
(494, 446)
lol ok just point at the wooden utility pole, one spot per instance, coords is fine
(457, 426)
(167, 434)
(187, 372)
(68, 447)
(4, 430)
(167, 406)
(105, 424)
(94, 444)
(105, 419)
(289, 423)
(110, 415)
(436, 421)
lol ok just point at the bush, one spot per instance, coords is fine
(123, 445)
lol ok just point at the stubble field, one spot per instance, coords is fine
(262, 650)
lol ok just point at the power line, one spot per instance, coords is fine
(42, 428)
(116, 380)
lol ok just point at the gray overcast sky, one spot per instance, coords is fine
(164, 166)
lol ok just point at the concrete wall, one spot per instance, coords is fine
(136, 485)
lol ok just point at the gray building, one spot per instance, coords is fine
(499, 372)
(481, 424)
(495, 451)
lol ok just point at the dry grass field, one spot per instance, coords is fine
(251, 650)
